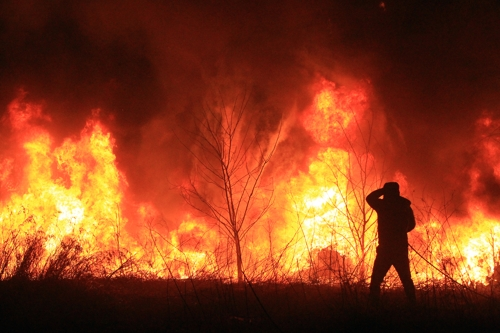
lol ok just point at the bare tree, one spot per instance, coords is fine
(361, 177)
(359, 230)
(230, 158)
(352, 177)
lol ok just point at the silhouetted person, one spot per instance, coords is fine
(395, 220)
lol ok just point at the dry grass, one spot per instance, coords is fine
(127, 304)
(65, 291)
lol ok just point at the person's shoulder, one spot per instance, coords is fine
(405, 201)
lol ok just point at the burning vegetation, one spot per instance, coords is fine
(64, 211)
(190, 143)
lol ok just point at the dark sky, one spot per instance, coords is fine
(434, 68)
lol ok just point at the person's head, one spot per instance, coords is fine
(391, 189)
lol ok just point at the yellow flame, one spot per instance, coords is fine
(320, 224)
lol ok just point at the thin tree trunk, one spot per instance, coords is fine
(239, 262)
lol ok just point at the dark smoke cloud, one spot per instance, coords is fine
(434, 67)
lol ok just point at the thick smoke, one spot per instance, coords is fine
(150, 65)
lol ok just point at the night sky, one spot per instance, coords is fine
(433, 67)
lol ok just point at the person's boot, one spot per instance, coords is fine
(410, 295)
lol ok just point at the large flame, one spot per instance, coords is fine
(62, 211)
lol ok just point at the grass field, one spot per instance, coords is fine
(133, 305)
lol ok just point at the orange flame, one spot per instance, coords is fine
(320, 227)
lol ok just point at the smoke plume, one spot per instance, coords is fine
(149, 66)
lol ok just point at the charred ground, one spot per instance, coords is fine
(127, 304)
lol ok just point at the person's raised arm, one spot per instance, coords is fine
(373, 198)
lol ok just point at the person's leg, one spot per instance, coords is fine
(380, 267)
(402, 266)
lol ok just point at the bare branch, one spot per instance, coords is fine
(229, 165)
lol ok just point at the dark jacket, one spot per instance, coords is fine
(395, 218)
